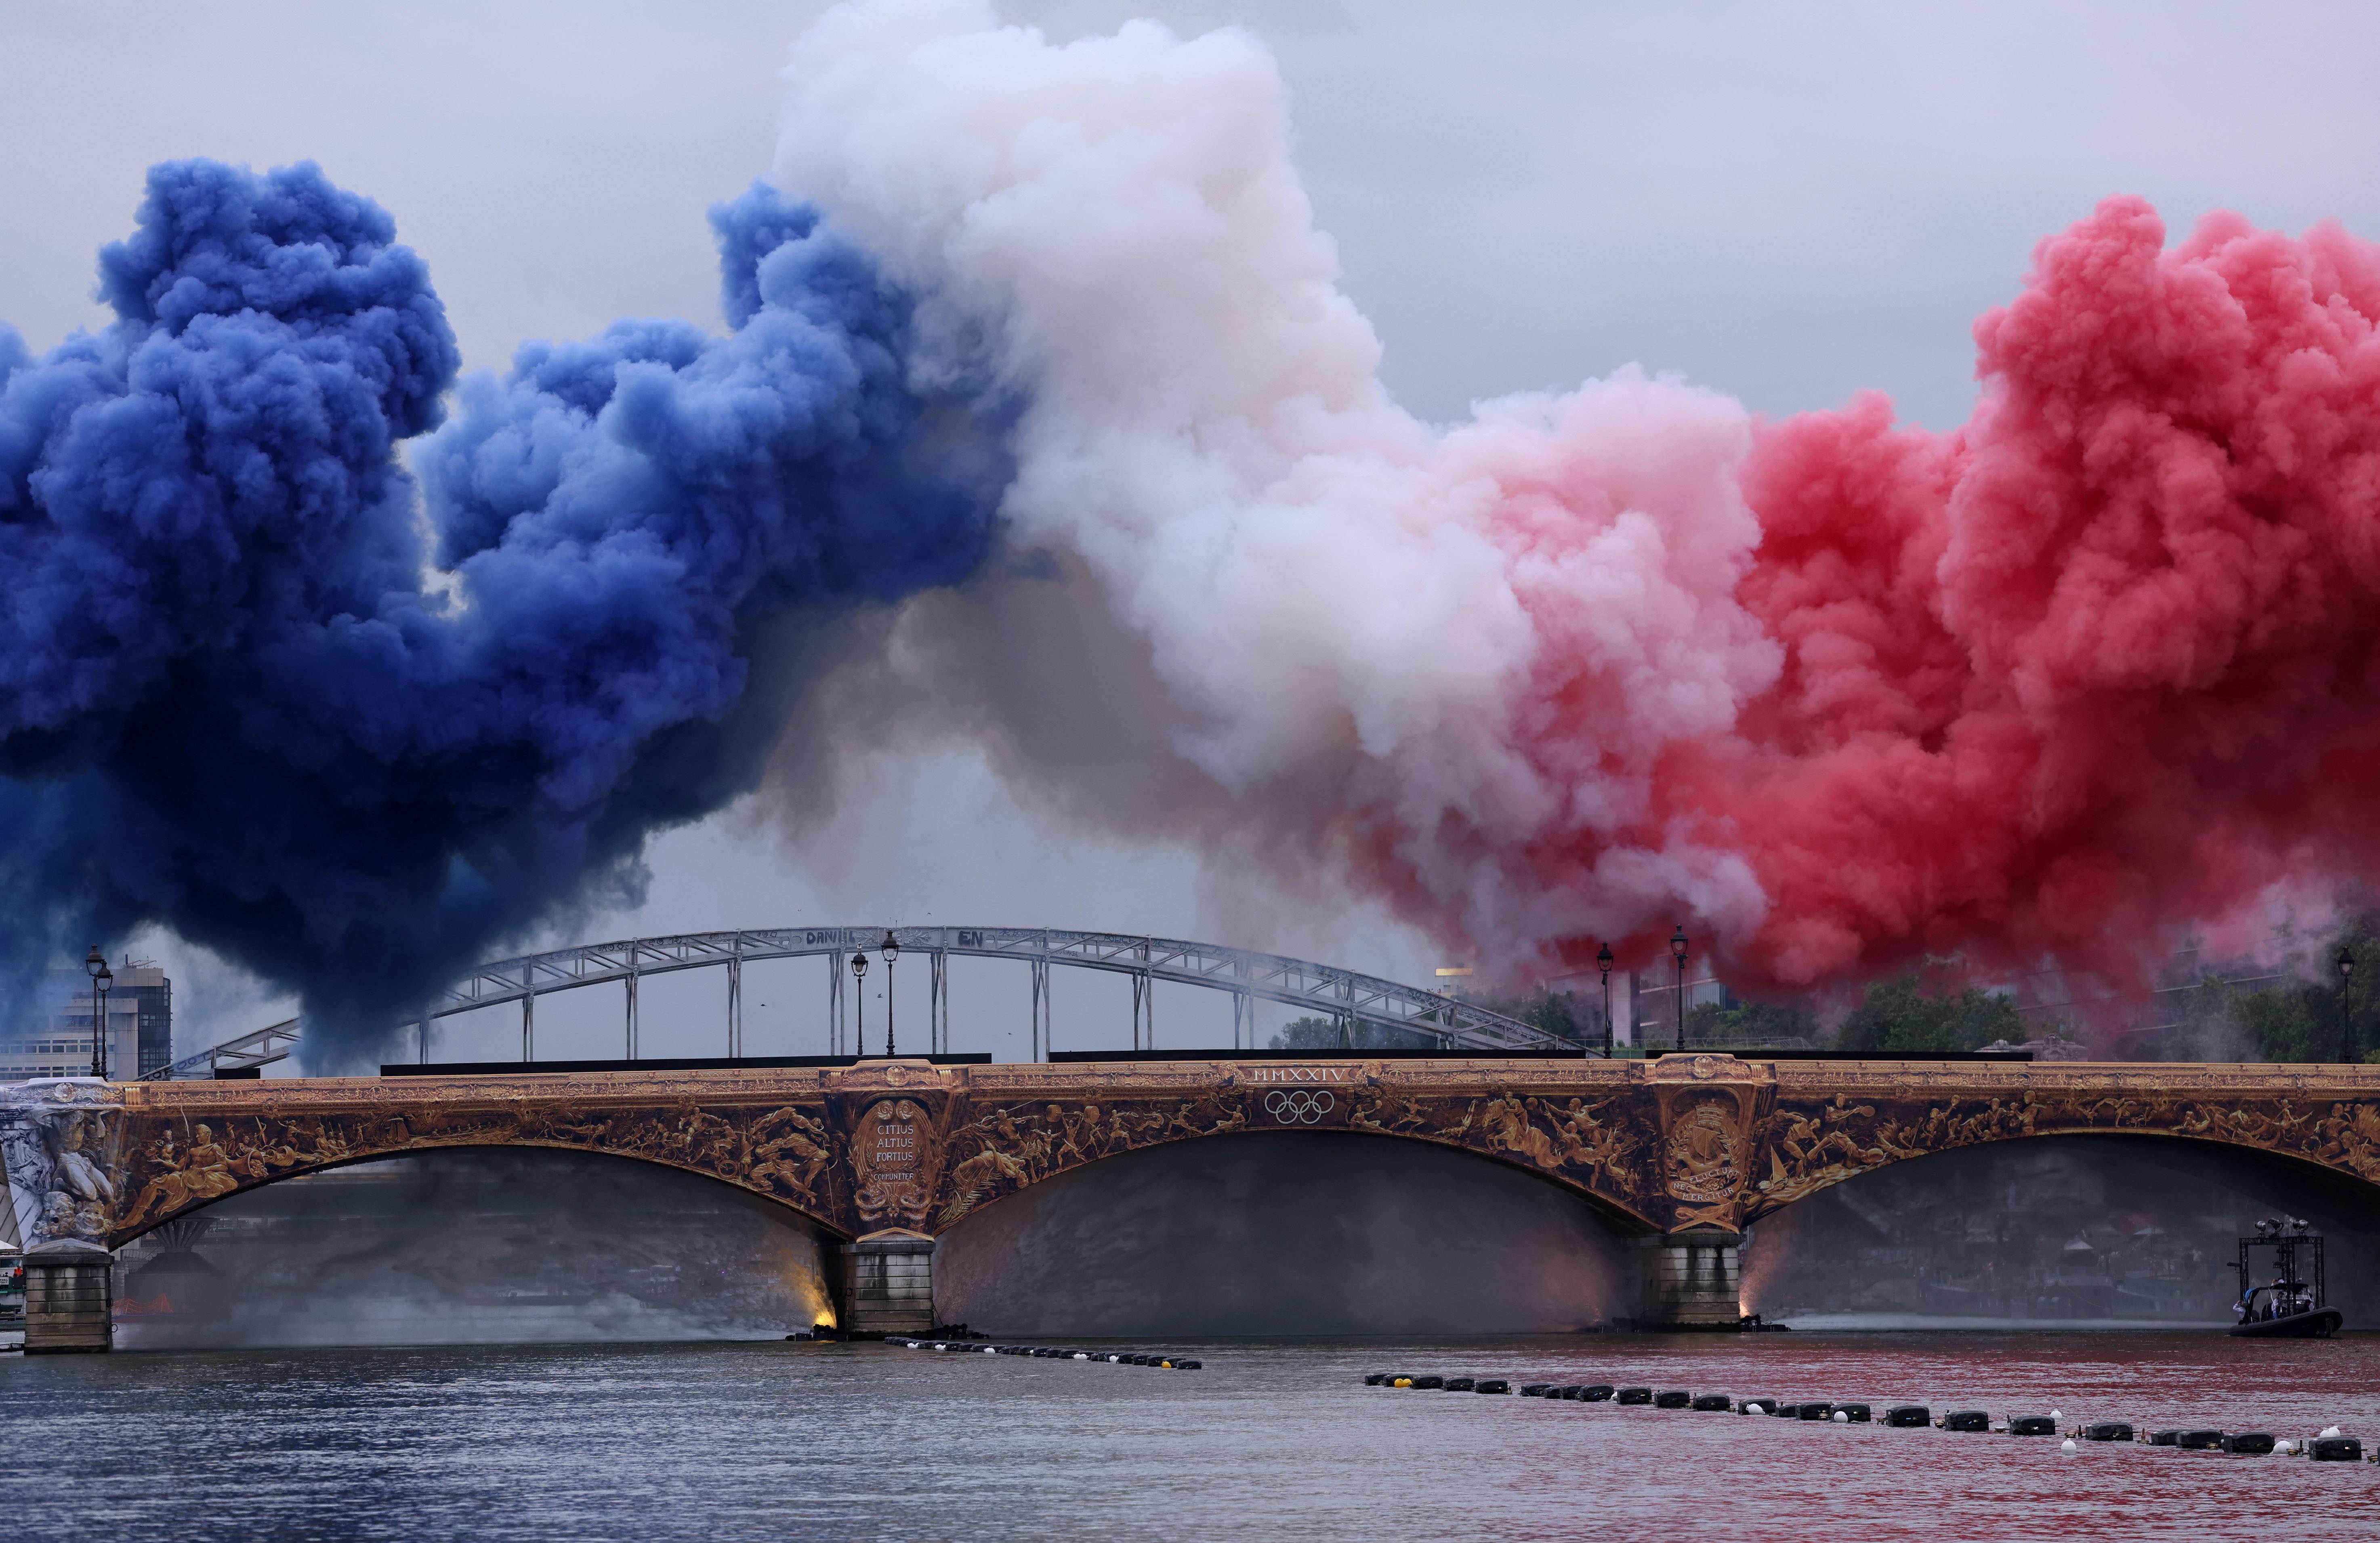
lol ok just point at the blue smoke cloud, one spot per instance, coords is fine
(257, 686)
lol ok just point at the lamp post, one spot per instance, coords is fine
(1603, 962)
(2346, 1024)
(859, 1004)
(1678, 947)
(101, 979)
(892, 952)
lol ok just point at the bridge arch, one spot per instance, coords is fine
(185, 1162)
(991, 1183)
(2072, 1226)
(1805, 1144)
(1289, 1232)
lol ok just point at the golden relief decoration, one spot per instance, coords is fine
(891, 1148)
(1809, 1144)
(1590, 1144)
(180, 1162)
(1687, 1141)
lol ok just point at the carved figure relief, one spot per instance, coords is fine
(63, 1179)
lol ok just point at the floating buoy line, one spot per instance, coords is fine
(1048, 1352)
(2332, 1445)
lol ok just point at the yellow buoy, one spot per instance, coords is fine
(1401, 1382)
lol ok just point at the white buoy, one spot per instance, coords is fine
(2332, 1430)
(2067, 1446)
(1841, 1418)
(2285, 1448)
(2057, 1414)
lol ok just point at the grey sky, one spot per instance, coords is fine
(1787, 203)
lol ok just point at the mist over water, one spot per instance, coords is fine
(2076, 1230)
(1284, 1234)
(475, 1246)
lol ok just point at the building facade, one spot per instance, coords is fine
(55, 1038)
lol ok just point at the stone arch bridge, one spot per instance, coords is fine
(1684, 1151)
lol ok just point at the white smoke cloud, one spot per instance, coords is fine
(1455, 649)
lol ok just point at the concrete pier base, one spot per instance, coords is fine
(69, 1302)
(889, 1283)
(1692, 1280)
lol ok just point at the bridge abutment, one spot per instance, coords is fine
(1692, 1280)
(69, 1302)
(888, 1282)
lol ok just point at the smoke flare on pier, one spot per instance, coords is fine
(2095, 666)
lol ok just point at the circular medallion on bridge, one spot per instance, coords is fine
(897, 1074)
(1705, 1067)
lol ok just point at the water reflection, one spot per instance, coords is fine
(1275, 1440)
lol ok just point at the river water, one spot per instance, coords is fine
(1274, 1438)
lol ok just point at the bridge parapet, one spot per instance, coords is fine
(1690, 1144)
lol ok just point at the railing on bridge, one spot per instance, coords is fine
(1343, 996)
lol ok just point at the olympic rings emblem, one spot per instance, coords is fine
(1298, 1107)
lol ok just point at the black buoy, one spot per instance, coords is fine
(1430, 1381)
(2253, 1443)
(1966, 1419)
(1535, 1389)
(1756, 1406)
(1902, 1416)
(1457, 1384)
(1633, 1395)
(2337, 1448)
(1491, 1385)
(1711, 1404)
(2032, 1425)
(1190, 1366)
(2199, 1441)
(1373, 1380)
(1814, 1411)
(2107, 1431)
(1596, 1392)
(2165, 1438)
(1673, 1398)
(1852, 1413)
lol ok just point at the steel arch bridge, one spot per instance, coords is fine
(1346, 997)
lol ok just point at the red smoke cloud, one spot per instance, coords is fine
(2099, 663)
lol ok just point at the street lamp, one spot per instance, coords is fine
(1678, 947)
(2346, 1024)
(1603, 961)
(892, 952)
(859, 1001)
(101, 979)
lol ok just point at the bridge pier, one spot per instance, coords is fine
(69, 1302)
(888, 1283)
(1692, 1280)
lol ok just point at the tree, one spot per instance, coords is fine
(1324, 1034)
(2299, 1020)
(1897, 1014)
(1749, 1023)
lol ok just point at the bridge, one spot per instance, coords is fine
(882, 1155)
(1346, 997)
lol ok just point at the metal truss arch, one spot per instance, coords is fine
(1346, 996)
